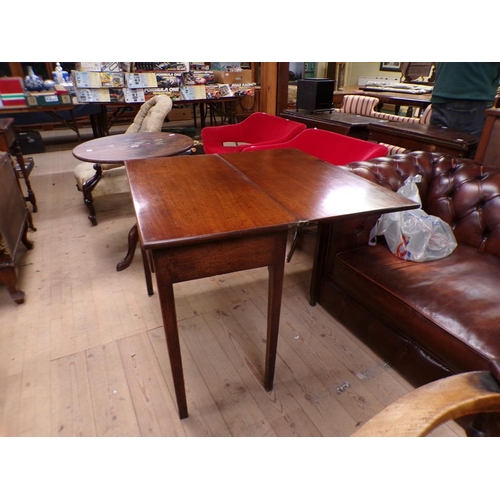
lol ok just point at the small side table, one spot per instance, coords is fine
(10, 144)
(122, 148)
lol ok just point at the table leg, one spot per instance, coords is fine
(320, 249)
(87, 189)
(176, 264)
(147, 272)
(70, 124)
(97, 125)
(133, 239)
(167, 302)
(75, 125)
(194, 115)
(202, 115)
(275, 291)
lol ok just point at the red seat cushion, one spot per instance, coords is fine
(258, 128)
(334, 148)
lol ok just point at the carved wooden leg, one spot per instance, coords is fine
(30, 221)
(89, 203)
(24, 238)
(133, 238)
(87, 189)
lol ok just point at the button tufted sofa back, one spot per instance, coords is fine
(467, 196)
(464, 194)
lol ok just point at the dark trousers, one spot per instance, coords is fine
(466, 116)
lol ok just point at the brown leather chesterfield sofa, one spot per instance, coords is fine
(433, 319)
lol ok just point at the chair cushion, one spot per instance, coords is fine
(112, 181)
(435, 303)
(396, 118)
(257, 128)
(83, 172)
(359, 105)
(424, 119)
(337, 149)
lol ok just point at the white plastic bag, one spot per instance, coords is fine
(413, 234)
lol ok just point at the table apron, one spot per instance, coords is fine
(201, 260)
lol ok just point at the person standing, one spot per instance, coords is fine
(462, 92)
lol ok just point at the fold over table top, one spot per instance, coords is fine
(189, 199)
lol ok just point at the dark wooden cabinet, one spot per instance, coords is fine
(340, 123)
(10, 144)
(13, 227)
(418, 137)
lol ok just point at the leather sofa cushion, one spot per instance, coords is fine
(441, 304)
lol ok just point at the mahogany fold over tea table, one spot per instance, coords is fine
(208, 215)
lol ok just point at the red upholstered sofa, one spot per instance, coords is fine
(433, 319)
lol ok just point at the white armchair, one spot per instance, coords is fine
(112, 178)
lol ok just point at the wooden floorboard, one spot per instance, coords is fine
(85, 355)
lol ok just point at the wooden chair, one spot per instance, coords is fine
(431, 405)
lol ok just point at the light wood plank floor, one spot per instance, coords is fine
(85, 355)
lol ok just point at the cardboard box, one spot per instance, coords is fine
(242, 89)
(47, 99)
(149, 79)
(198, 77)
(168, 79)
(213, 91)
(12, 100)
(173, 92)
(180, 114)
(134, 95)
(100, 95)
(12, 91)
(98, 79)
(140, 80)
(114, 67)
(160, 66)
(88, 66)
(220, 90)
(193, 92)
(225, 66)
(244, 76)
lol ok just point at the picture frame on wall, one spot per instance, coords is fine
(390, 66)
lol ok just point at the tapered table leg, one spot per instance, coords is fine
(184, 263)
